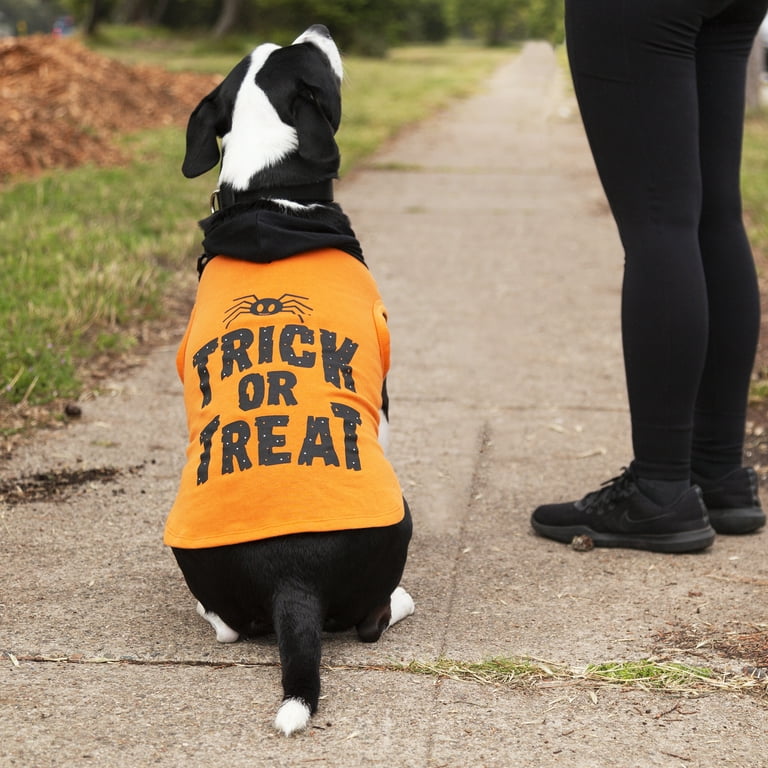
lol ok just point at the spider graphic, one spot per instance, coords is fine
(253, 305)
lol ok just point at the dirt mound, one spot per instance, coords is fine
(63, 105)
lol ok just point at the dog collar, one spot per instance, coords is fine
(318, 192)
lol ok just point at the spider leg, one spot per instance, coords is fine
(234, 317)
(238, 307)
(294, 312)
(243, 308)
(297, 307)
(292, 296)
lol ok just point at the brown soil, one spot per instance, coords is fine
(43, 486)
(63, 105)
(747, 644)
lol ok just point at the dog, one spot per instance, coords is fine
(289, 518)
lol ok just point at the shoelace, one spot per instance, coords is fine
(620, 487)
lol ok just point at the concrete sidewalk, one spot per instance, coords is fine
(500, 266)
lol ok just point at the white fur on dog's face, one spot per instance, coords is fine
(254, 115)
(326, 45)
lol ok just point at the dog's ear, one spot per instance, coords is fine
(212, 119)
(313, 106)
(322, 82)
(317, 109)
(203, 129)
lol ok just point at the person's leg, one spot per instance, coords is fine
(730, 491)
(634, 70)
(651, 79)
(724, 44)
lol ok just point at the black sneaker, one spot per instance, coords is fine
(620, 515)
(732, 501)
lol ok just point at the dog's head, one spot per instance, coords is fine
(276, 113)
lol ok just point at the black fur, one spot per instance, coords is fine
(212, 118)
(299, 585)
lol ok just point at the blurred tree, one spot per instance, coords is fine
(362, 26)
(359, 26)
(545, 20)
(497, 22)
(140, 11)
(179, 14)
(426, 20)
(94, 13)
(89, 13)
(228, 18)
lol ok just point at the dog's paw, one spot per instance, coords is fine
(402, 605)
(292, 716)
(224, 633)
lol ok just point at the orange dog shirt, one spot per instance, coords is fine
(282, 366)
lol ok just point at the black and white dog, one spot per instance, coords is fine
(288, 517)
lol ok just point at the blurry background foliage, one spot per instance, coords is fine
(366, 27)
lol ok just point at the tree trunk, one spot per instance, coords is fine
(92, 17)
(230, 13)
(159, 11)
(129, 11)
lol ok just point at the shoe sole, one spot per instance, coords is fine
(668, 543)
(736, 521)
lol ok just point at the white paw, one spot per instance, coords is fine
(402, 605)
(292, 716)
(224, 633)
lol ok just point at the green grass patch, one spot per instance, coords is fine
(650, 674)
(93, 253)
(754, 180)
(158, 47)
(754, 183)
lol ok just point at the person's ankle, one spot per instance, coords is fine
(662, 492)
(712, 472)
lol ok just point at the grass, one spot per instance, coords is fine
(645, 674)
(162, 48)
(93, 251)
(97, 251)
(754, 179)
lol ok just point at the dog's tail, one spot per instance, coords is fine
(298, 621)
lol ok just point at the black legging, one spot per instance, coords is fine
(660, 85)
